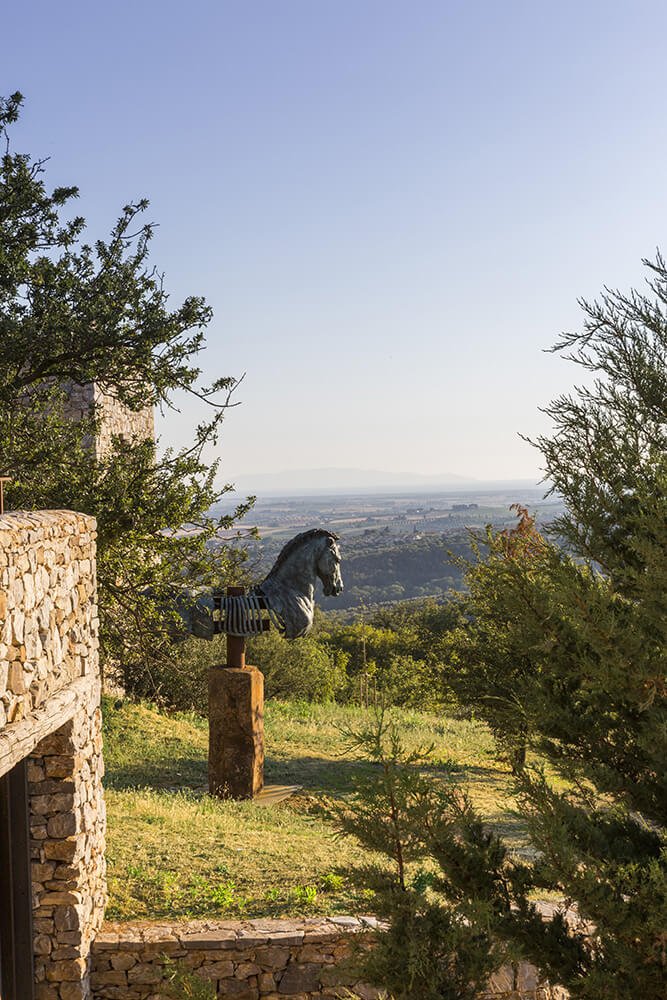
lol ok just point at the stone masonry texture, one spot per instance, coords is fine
(48, 608)
(50, 688)
(115, 419)
(269, 959)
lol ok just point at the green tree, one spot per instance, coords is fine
(493, 671)
(431, 949)
(73, 313)
(564, 656)
(308, 669)
(399, 653)
(585, 631)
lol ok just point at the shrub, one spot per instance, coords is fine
(305, 668)
(180, 680)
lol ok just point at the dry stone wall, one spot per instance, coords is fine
(50, 715)
(270, 959)
(67, 824)
(48, 608)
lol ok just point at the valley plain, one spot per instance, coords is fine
(396, 546)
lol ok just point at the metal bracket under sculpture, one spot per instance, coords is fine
(236, 691)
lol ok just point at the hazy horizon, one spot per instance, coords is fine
(391, 207)
(349, 480)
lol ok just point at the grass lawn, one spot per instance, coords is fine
(174, 852)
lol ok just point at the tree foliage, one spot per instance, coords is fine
(396, 654)
(430, 949)
(74, 312)
(579, 635)
(564, 656)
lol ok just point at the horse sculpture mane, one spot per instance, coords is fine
(289, 589)
(287, 594)
(294, 543)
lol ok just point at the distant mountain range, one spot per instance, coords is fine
(348, 480)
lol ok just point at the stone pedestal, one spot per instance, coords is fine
(236, 732)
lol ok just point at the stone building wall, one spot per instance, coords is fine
(48, 608)
(67, 826)
(117, 419)
(269, 959)
(50, 716)
(79, 400)
(114, 417)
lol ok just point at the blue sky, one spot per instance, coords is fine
(391, 206)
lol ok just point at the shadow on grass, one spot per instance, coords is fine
(317, 775)
(162, 773)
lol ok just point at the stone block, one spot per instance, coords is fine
(50, 786)
(272, 957)
(42, 944)
(112, 977)
(237, 989)
(66, 872)
(63, 825)
(47, 804)
(62, 850)
(63, 766)
(106, 941)
(70, 937)
(216, 970)
(42, 872)
(154, 949)
(63, 952)
(245, 970)
(57, 743)
(299, 978)
(61, 899)
(67, 918)
(249, 938)
(74, 991)
(266, 982)
(123, 962)
(315, 953)
(71, 970)
(45, 991)
(145, 972)
(208, 941)
(286, 939)
(43, 925)
(236, 732)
